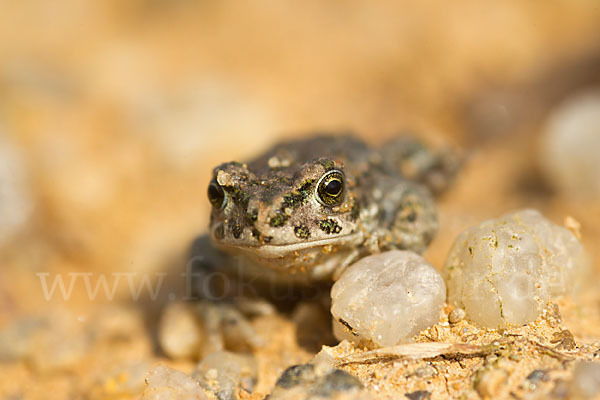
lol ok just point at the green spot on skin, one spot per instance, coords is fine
(292, 200)
(302, 231)
(329, 226)
(298, 197)
(238, 196)
(470, 250)
(327, 164)
(306, 185)
(252, 216)
(278, 219)
(355, 212)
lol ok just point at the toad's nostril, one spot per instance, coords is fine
(218, 231)
(235, 228)
(252, 216)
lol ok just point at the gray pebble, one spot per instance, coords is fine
(308, 382)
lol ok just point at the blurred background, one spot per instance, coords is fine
(113, 113)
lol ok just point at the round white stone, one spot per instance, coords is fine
(586, 380)
(570, 148)
(503, 271)
(387, 298)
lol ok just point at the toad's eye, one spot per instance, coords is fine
(330, 189)
(216, 194)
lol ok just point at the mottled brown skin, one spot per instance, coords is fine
(273, 211)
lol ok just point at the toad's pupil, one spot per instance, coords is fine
(216, 196)
(334, 187)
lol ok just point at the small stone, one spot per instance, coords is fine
(325, 359)
(552, 314)
(504, 271)
(564, 340)
(569, 150)
(307, 382)
(164, 383)
(211, 374)
(426, 371)
(180, 335)
(537, 376)
(419, 395)
(16, 339)
(224, 373)
(296, 375)
(125, 380)
(456, 315)
(61, 343)
(586, 380)
(515, 357)
(490, 383)
(334, 382)
(387, 298)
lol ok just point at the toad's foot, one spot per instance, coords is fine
(226, 303)
(226, 325)
(221, 336)
(193, 330)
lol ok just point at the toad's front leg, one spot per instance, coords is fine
(214, 325)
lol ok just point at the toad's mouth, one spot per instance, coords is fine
(282, 250)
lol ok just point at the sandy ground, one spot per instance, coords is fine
(112, 115)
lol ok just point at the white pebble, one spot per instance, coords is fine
(226, 372)
(586, 380)
(387, 298)
(125, 379)
(570, 148)
(164, 383)
(504, 270)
